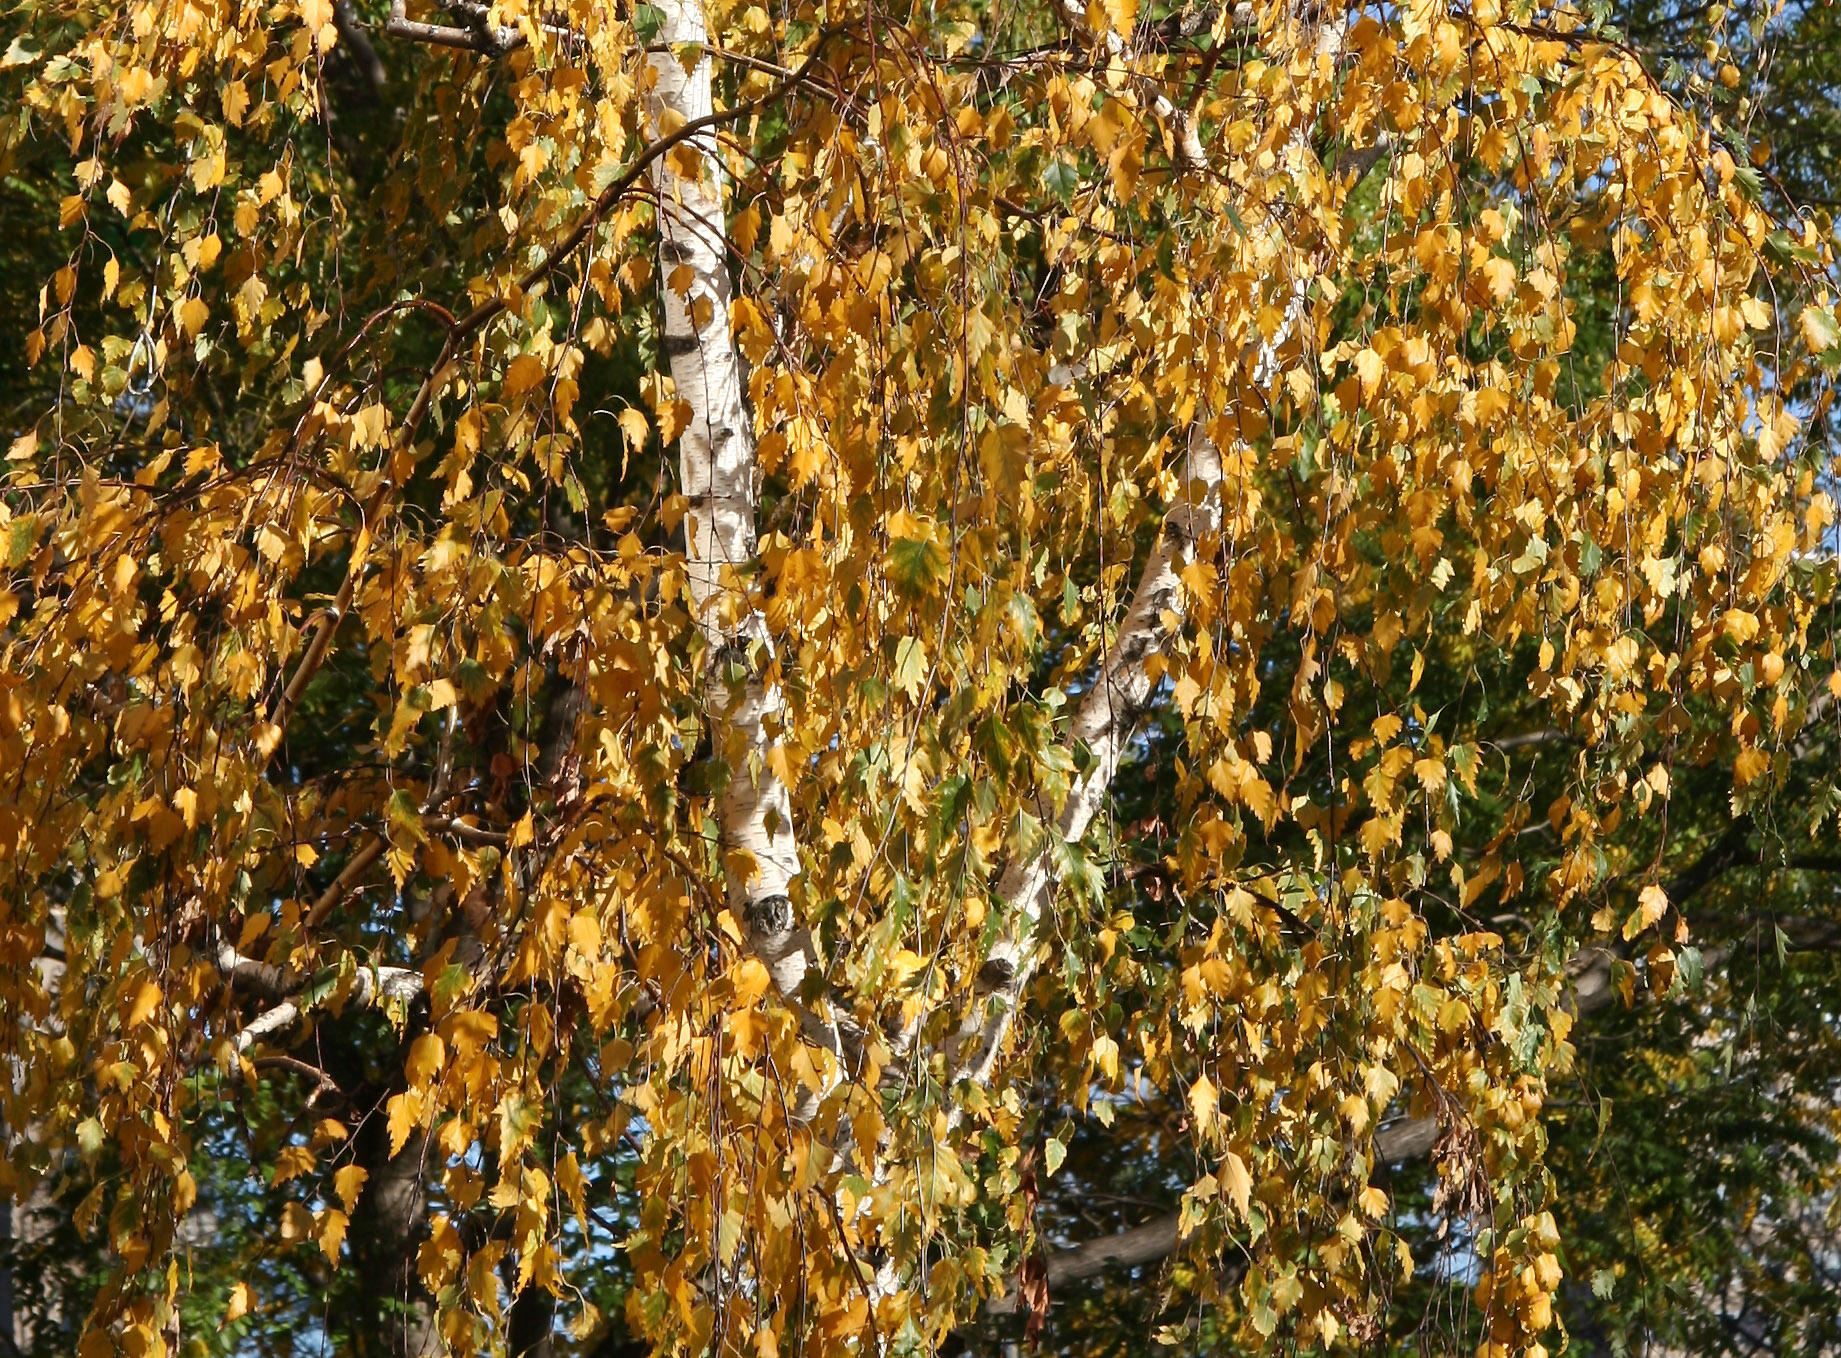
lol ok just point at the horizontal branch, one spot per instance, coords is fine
(1140, 1245)
(370, 985)
(480, 35)
(1592, 972)
(1523, 739)
(1406, 1140)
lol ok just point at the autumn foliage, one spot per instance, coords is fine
(575, 833)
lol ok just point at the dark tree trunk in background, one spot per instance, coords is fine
(396, 1317)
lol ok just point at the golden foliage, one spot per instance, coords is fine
(349, 667)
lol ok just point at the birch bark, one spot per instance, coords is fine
(716, 465)
(1102, 723)
(1105, 717)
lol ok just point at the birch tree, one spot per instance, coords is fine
(691, 658)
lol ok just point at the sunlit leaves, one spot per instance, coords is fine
(352, 645)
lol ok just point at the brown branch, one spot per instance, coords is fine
(364, 55)
(1724, 853)
(1140, 1245)
(329, 618)
(324, 1083)
(355, 867)
(1522, 740)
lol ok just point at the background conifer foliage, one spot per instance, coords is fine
(792, 677)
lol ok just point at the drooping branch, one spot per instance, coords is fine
(1186, 141)
(1106, 716)
(1592, 977)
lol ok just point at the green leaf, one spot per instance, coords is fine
(1061, 180)
(647, 21)
(402, 813)
(917, 567)
(1053, 1153)
(1819, 330)
(21, 536)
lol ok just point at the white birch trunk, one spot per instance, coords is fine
(1106, 715)
(1103, 722)
(716, 466)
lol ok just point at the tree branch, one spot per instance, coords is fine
(369, 986)
(1102, 723)
(482, 36)
(1592, 972)
(364, 55)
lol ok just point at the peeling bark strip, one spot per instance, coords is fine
(716, 468)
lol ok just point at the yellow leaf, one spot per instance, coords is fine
(1106, 1056)
(1238, 1183)
(402, 1113)
(185, 1192)
(633, 426)
(1499, 277)
(1818, 327)
(569, 1179)
(135, 85)
(348, 1182)
(1369, 368)
(146, 1000)
(751, 980)
(1652, 904)
(1751, 763)
(332, 1232)
(241, 1300)
(1205, 1105)
(193, 313)
(524, 373)
(427, 1055)
(207, 172)
(292, 1162)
